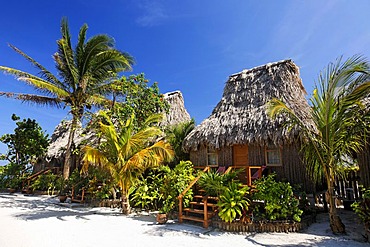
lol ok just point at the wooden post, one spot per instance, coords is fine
(180, 209)
(205, 211)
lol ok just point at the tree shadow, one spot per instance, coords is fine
(36, 208)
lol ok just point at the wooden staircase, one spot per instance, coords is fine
(78, 193)
(201, 209)
(26, 184)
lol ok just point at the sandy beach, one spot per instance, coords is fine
(43, 221)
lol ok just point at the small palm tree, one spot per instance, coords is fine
(127, 154)
(176, 135)
(340, 123)
(83, 79)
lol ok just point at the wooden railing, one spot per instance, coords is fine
(74, 193)
(186, 190)
(35, 176)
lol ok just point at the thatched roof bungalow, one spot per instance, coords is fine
(176, 114)
(239, 133)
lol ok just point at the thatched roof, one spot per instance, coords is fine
(177, 112)
(59, 139)
(240, 117)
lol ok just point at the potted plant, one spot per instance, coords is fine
(61, 185)
(168, 206)
(14, 184)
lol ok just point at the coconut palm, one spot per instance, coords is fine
(82, 81)
(126, 154)
(339, 119)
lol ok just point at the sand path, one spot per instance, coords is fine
(41, 221)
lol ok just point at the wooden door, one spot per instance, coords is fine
(240, 160)
(240, 155)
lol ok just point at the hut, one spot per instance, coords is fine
(240, 134)
(177, 113)
(363, 158)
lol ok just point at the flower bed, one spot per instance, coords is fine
(277, 226)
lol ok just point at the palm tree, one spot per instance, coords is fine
(83, 79)
(126, 154)
(340, 123)
(176, 135)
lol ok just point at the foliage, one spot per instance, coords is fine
(83, 79)
(279, 202)
(147, 194)
(25, 145)
(100, 185)
(125, 153)
(2, 177)
(175, 182)
(161, 187)
(340, 122)
(215, 183)
(45, 182)
(176, 135)
(233, 201)
(362, 208)
(62, 185)
(133, 95)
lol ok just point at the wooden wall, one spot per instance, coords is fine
(293, 169)
(364, 164)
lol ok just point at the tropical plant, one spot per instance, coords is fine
(160, 188)
(147, 194)
(83, 79)
(25, 145)
(233, 201)
(279, 202)
(340, 120)
(362, 208)
(176, 135)
(133, 95)
(175, 181)
(45, 182)
(126, 154)
(215, 183)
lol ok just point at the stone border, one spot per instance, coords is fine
(283, 226)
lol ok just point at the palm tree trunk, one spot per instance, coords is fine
(336, 223)
(126, 209)
(68, 158)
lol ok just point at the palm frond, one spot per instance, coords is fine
(95, 157)
(66, 64)
(45, 87)
(44, 73)
(31, 98)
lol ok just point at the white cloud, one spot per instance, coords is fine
(153, 13)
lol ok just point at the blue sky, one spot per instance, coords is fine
(192, 45)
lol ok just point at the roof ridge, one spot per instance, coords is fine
(244, 71)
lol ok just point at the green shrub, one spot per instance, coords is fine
(233, 201)
(278, 200)
(215, 183)
(147, 193)
(161, 187)
(45, 182)
(362, 208)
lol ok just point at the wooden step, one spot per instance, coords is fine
(197, 211)
(208, 197)
(213, 205)
(193, 218)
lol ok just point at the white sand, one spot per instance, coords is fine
(39, 221)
